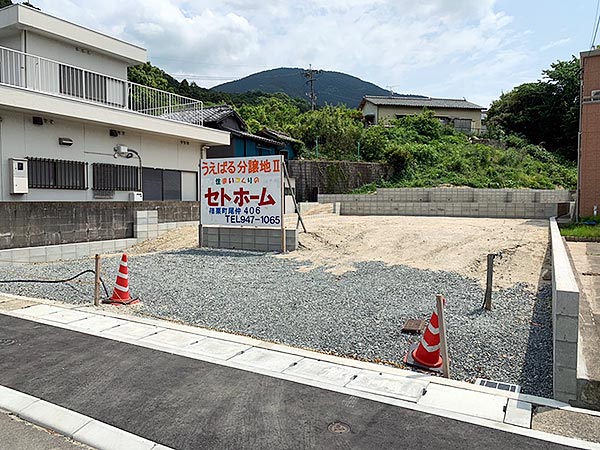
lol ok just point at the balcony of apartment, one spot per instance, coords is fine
(79, 93)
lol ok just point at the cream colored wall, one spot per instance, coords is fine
(389, 112)
(12, 40)
(19, 138)
(370, 109)
(73, 55)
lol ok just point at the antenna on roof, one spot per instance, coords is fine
(390, 88)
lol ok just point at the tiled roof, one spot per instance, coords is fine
(278, 135)
(214, 115)
(425, 102)
(211, 114)
(254, 137)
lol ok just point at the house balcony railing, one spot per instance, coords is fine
(34, 73)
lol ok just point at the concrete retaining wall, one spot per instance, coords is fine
(34, 224)
(455, 202)
(333, 177)
(257, 239)
(145, 227)
(565, 319)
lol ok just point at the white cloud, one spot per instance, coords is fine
(384, 41)
(553, 44)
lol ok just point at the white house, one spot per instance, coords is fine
(72, 128)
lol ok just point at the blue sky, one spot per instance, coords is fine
(474, 49)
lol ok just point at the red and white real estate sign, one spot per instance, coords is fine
(242, 191)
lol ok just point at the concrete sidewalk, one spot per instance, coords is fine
(16, 434)
(186, 387)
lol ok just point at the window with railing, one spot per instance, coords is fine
(115, 177)
(56, 174)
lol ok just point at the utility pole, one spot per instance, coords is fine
(310, 76)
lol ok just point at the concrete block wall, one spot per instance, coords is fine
(32, 224)
(565, 319)
(455, 202)
(334, 177)
(50, 253)
(145, 227)
(255, 239)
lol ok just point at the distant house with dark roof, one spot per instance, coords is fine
(291, 145)
(461, 114)
(243, 143)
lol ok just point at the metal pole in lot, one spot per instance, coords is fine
(440, 300)
(282, 162)
(97, 281)
(203, 152)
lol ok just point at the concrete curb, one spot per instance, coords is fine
(71, 424)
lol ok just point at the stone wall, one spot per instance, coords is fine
(32, 224)
(333, 177)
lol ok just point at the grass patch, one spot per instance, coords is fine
(580, 230)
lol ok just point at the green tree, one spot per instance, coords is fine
(5, 3)
(271, 112)
(337, 129)
(148, 75)
(545, 112)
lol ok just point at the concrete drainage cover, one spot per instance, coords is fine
(338, 427)
(6, 341)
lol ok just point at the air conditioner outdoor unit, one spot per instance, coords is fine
(136, 196)
(596, 95)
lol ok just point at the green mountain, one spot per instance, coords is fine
(333, 88)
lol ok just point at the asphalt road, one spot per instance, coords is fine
(189, 404)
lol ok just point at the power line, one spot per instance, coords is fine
(595, 28)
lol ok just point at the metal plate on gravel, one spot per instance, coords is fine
(414, 326)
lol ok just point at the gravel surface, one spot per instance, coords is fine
(357, 314)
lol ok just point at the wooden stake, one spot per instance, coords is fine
(439, 300)
(97, 281)
(487, 302)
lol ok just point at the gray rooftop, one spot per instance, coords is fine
(210, 114)
(425, 102)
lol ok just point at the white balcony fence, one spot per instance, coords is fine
(35, 73)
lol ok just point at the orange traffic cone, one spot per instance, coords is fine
(120, 294)
(426, 354)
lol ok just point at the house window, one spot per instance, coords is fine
(161, 184)
(114, 177)
(56, 174)
(463, 125)
(82, 84)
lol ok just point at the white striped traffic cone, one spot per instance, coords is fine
(120, 294)
(426, 354)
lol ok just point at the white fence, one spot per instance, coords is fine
(39, 74)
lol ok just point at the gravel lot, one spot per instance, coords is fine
(356, 313)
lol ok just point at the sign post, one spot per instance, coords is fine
(243, 192)
(283, 242)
